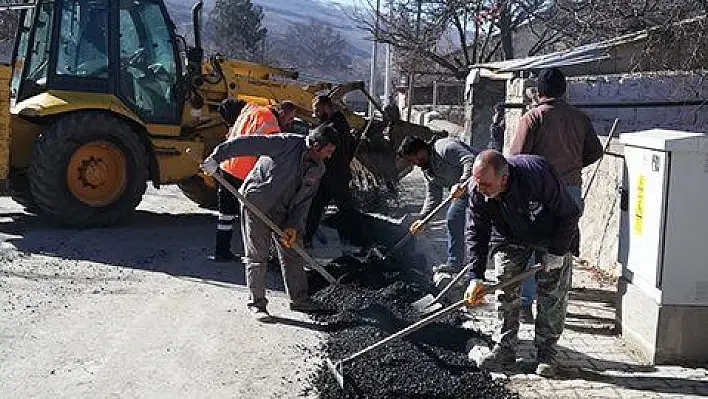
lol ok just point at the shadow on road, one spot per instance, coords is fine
(175, 244)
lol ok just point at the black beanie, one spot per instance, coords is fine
(550, 83)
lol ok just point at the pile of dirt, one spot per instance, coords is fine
(375, 302)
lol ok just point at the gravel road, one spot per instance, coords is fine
(138, 311)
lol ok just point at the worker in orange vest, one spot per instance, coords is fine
(252, 120)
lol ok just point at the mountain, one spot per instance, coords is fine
(279, 14)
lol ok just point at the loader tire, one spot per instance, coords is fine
(199, 191)
(20, 191)
(88, 169)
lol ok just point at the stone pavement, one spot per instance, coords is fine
(594, 360)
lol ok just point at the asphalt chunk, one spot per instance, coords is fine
(375, 302)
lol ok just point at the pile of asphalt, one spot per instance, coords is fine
(373, 302)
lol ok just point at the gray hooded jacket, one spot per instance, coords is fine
(283, 181)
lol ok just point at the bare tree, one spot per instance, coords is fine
(313, 48)
(677, 31)
(451, 35)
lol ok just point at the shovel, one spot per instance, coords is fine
(375, 253)
(265, 219)
(429, 303)
(337, 369)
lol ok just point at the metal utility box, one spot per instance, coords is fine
(663, 248)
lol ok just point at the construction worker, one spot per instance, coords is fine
(335, 182)
(446, 164)
(519, 205)
(564, 136)
(251, 120)
(282, 185)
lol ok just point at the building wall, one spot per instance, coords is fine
(481, 98)
(640, 101)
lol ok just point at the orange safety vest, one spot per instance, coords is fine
(254, 119)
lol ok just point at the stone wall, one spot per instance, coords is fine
(640, 101)
(481, 99)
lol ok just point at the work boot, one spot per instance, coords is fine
(546, 363)
(223, 247)
(306, 306)
(224, 257)
(526, 314)
(259, 313)
(499, 359)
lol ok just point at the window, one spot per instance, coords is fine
(39, 54)
(83, 39)
(148, 67)
(21, 55)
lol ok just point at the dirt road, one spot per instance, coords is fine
(138, 311)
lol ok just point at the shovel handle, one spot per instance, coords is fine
(265, 219)
(454, 281)
(442, 204)
(439, 314)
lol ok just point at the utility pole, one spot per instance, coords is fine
(411, 75)
(387, 81)
(374, 56)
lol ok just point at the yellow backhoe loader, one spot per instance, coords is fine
(103, 96)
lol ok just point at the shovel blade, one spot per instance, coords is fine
(336, 370)
(426, 304)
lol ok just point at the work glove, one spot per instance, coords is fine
(550, 261)
(458, 190)
(210, 166)
(289, 237)
(416, 227)
(474, 295)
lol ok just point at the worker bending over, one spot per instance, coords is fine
(446, 164)
(519, 204)
(281, 185)
(252, 119)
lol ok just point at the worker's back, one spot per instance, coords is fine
(254, 119)
(558, 132)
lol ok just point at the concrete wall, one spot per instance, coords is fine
(640, 101)
(480, 103)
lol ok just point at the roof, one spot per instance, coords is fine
(606, 57)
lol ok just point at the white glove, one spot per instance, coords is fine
(475, 292)
(553, 262)
(210, 166)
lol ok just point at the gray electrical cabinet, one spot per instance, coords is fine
(663, 247)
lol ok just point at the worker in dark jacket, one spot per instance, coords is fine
(281, 185)
(496, 129)
(335, 182)
(562, 134)
(446, 164)
(519, 204)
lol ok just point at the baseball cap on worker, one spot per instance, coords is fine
(550, 83)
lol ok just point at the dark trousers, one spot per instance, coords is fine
(228, 213)
(333, 187)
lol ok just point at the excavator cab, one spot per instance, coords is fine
(125, 48)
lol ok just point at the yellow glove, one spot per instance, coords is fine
(474, 295)
(416, 227)
(458, 190)
(289, 237)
